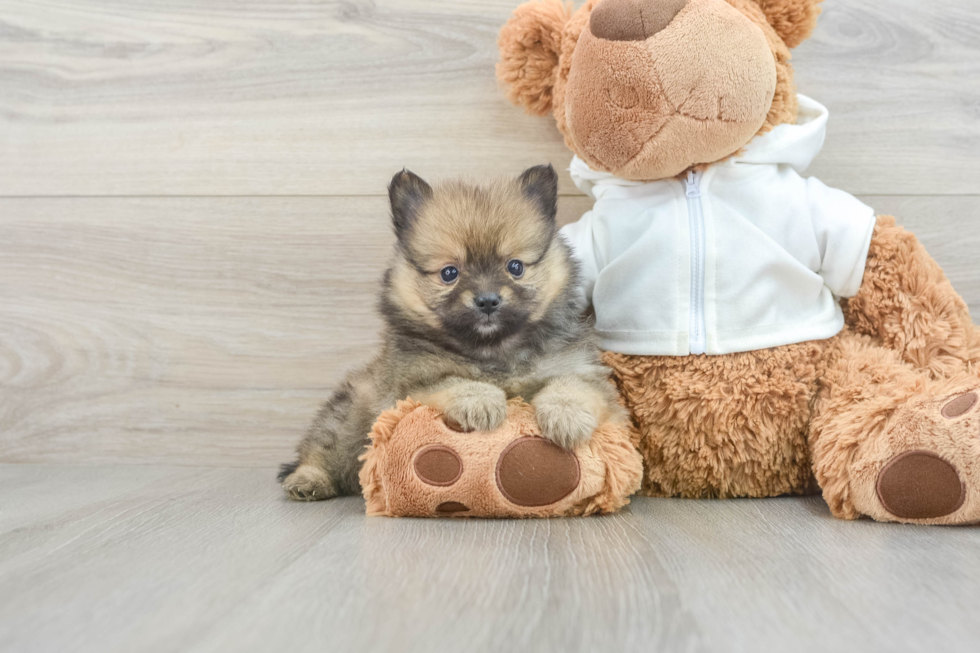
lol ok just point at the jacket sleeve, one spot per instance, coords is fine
(843, 226)
(579, 237)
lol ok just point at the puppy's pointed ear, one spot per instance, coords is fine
(530, 44)
(793, 20)
(407, 193)
(540, 185)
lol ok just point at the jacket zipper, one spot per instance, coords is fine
(696, 327)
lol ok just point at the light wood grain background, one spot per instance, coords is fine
(192, 221)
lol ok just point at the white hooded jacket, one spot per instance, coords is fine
(745, 256)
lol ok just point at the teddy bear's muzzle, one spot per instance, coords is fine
(657, 86)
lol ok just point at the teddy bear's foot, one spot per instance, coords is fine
(530, 472)
(926, 468)
(421, 464)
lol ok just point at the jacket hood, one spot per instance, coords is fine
(793, 145)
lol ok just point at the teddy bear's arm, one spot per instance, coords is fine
(843, 226)
(906, 301)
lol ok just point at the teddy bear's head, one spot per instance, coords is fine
(645, 89)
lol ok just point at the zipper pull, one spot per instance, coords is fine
(693, 189)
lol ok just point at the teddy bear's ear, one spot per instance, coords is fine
(529, 45)
(793, 20)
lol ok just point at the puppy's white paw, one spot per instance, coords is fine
(476, 407)
(563, 421)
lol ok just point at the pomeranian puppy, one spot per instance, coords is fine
(479, 305)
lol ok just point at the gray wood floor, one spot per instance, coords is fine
(192, 226)
(156, 558)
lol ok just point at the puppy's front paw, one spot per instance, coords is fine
(477, 407)
(563, 421)
(309, 483)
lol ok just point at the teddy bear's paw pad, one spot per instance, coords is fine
(920, 485)
(533, 472)
(451, 508)
(960, 405)
(438, 465)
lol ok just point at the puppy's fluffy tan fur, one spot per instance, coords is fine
(440, 348)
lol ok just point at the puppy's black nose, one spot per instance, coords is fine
(488, 302)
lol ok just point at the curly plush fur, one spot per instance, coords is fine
(907, 303)
(723, 426)
(793, 20)
(530, 43)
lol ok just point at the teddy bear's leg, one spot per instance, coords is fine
(891, 442)
(907, 304)
(723, 426)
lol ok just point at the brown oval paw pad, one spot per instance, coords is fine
(450, 507)
(438, 465)
(920, 485)
(960, 405)
(533, 472)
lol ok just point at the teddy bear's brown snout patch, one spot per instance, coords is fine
(632, 20)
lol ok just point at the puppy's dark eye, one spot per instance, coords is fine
(448, 274)
(516, 268)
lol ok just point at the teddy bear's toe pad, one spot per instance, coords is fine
(438, 465)
(451, 507)
(961, 405)
(533, 472)
(920, 485)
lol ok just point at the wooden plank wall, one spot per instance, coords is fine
(192, 219)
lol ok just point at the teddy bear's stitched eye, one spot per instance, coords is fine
(516, 268)
(449, 274)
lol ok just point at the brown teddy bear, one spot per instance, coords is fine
(766, 331)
